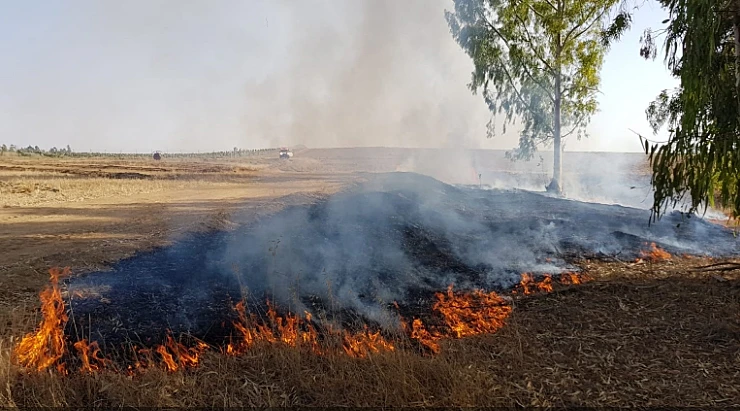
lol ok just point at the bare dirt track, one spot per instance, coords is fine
(643, 333)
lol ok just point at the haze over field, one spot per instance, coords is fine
(201, 76)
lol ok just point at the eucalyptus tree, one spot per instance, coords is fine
(537, 62)
(701, 159)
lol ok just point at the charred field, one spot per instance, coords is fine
(364, 256)
(359, 312)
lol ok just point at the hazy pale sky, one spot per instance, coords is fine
(180, 75)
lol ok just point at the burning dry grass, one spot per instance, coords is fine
(655, 253)
(643, 335)
(45, 347)
(462, 315)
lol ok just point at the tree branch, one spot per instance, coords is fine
(516, 91)
(524, 67)
(570, 132)
(529, 6)
(568, 90)
(551, 5)
(567, 37)
(529, 42)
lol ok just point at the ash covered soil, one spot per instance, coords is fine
(397, 237)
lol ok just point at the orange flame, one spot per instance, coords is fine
(471, 314)
(176, 356)
(655, 253)
(90, 355)
(361, 344)
(294, 331)
(573, 278)
(529, 285)
(462, 314)
(46, 346)
(285, 329)
(425, 337)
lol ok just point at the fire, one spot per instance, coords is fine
(471, 314)
(45, 347)
(294, 331)
(573, 278)
(289, 329)
(464, 315)
(90, 355)
(529, 285)
(363, 343)
(426, 338)
(176, 355)
(460, 315)
(655, 253)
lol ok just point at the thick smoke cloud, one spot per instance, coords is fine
(396, 238)
(368, 73)
(189, 76)
(369, 247)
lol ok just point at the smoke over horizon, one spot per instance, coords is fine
(208, 76)
(372, 73)
(214, 76)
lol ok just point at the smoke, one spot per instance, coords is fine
(188, 76)
(368, 73)
(606, 178)
(376, 244)
(396, 238)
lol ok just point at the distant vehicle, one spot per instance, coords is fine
(285, 153)
(156, 156)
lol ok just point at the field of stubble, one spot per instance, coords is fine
(644, 334)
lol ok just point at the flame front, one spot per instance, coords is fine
(176, 355)
(423, 336)
(655, 253)
(365, 342)
(462, 315)
(289, 329)
(46, 347)
(90, 355)
(529, 285)
(573, 278)
(294, 331)
(471, 314)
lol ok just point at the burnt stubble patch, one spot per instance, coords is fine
(366, 256)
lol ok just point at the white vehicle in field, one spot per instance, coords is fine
(285, 153)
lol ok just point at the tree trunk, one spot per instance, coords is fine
(557, 171)
(556, 183)
(736, 33)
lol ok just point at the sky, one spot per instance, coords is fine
(186, 76)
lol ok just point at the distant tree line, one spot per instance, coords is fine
(67, 151)
(35, 150)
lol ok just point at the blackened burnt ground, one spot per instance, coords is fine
(398, 237)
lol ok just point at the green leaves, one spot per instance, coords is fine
(701, 160)
(521, 48)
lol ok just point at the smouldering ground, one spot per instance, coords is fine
(649, 333)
